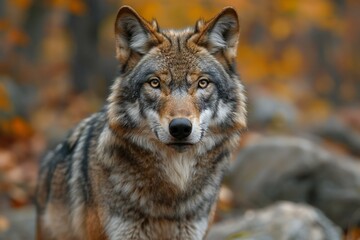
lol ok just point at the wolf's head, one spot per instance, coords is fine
(177, 89)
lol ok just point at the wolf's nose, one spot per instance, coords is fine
(180, 128)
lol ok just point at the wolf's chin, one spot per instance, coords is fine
(180, 147)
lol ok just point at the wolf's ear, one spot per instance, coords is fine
(220, 33)
(134, 36)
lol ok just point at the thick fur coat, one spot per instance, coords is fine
(149, 164)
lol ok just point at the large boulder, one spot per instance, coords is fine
(292, 169)
(282, 221)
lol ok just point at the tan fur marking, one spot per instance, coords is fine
(94, 228)
(211, 218)
(57, 221)
(180, 107)
(40, 235)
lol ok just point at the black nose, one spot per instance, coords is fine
(180, 128)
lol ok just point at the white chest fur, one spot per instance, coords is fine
(118, 228)
(179, 170)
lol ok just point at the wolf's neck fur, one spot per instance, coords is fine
(176, 168)
(179, 170)
(163, 183)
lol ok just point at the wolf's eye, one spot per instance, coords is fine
(203, 83)
(154, 82)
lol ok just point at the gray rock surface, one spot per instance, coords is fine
(282, 221)
(266, 109)
(21, 224)
(338, 131)
(293, 169)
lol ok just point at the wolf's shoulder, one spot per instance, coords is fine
(67, 160)
(86, 130)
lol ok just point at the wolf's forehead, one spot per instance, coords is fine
(176, 54)
(177, 48)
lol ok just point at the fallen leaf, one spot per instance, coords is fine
(4, 224)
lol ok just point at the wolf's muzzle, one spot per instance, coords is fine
(180, 128)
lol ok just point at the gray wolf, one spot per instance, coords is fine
(149, 165)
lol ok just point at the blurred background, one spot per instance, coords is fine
(299, 61)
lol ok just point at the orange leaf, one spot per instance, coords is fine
(4, 24)
(353, 234)
(20, 128)
(324, 83)
(77, 7)
(58, 3)
(280, 28)
(17, 37)
(5, 104)
(4, 224)
(22, 4)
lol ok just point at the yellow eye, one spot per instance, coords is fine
(154, 82)
(203, 83)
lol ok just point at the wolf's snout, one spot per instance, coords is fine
(180, 128)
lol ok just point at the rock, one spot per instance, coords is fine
(293, 169)
(269, 111)
(21, 224)
(339, 131)
(19, 98)
(282, 221)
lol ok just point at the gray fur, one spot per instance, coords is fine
(118, 175)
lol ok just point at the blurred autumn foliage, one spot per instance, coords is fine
(57, 62)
